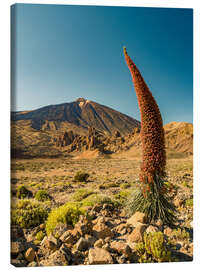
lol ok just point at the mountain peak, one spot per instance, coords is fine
(81, 99)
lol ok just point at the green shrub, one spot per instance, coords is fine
(96, 199)
(125, 185)
(122, 196)
(154, 248)
(23, 192)
(19, 167)
(189, 203)
(81, 194)
(39, 236)
(81, 177)
(181, 234)
(68, 213)
(28, 214)
(42, 195)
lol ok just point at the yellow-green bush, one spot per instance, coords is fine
(68, 213)
(81, 177)
(96, 199)
(42, 195)
(39, 236)
(181, 234)
(28, 214)
(23, 192)
(125, 185)
(81, 194)
(154, 248)
(122, 196)
(189, 203)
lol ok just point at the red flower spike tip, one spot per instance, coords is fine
(152, 132)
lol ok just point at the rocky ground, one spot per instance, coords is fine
(106, 234)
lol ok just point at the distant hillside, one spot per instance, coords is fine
(79, 126)
(78, 115)
(179, 137)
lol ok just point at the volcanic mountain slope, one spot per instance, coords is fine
(75, 127)
(78, 116)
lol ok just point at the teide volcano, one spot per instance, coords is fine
(78, 115)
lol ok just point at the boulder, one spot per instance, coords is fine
(69, 238)
(152, 229)
(83, 226)
(60, 257)
(137, 217)
(137, 233)
(101, 230)
(52, 243)
(82, 244)
(17, 247)
(121, 247)
(18, 263)
(99, 243)
(30, 254)
(99, 256)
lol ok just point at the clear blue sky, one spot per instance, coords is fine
(64, 52)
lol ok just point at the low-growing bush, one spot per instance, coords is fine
(154, 248)
(181, 234)
(81, 194)
(28, 214)
(125, 185)
(81, 177)
(42, 195)
(68, 213)
(39, 236)
(96, 199)
(189, 203)
(122, 196)
(23, 192)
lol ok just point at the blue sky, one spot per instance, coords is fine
(63, 52)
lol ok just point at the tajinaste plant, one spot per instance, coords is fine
(153, 198)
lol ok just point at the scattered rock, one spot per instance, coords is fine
(168, 231)
(60, 257)
(68, 237)
(51, 243)
(84, 226)
(121, 247)
(152, 229)
(99, 256)
(178, 202)
(123, 228)
(137, 233)
(101, 230)
(18, 263)
(32, 264)
(30, 254)
(137, 217)
(17, 247)
(99, 243)
(82, 244)
(16, 233)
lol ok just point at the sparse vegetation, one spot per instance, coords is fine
(181, 234)
(96, 199)
(189, 203)
(23, 192)
(66, 214)
(42, 195)
(39, 236)
(154, 248)
(81, 194)
(81, 177)
(28, 214)
(122, 196)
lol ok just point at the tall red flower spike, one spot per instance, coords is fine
(152, 132)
